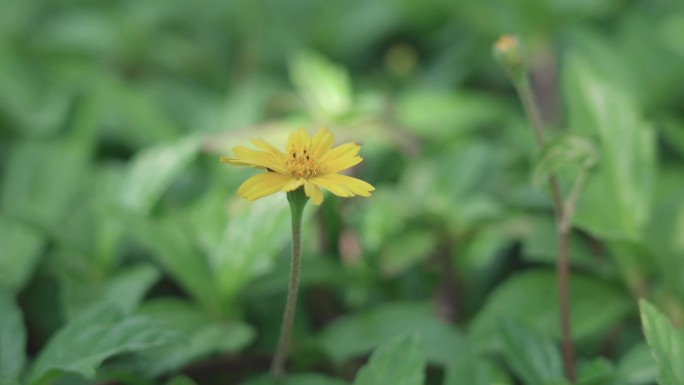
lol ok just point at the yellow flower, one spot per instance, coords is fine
(308, 162)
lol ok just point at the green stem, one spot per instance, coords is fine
(571, 201)
(563, 219)
(563, 274)
(530, 105)
(297, 201)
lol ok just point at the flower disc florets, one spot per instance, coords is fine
(301, 165)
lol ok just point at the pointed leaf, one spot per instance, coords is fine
(84, 343)
(599, 371)
(296, 379)
(637, 366)
(399, 362)
(615, 202)
(42, 179)
(360, 333)
(125, 289)
(324, 85)
(153, 170)
(172, 247)
(468, 367)
(530, 297)
(181, 380)
(203, 335)
(21, 249)
(431, 114)
(533, 356)
(254, 235)
(667, 344)
(12, 340)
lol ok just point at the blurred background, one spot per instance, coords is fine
(114, 207)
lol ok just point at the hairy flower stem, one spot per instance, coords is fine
(563, 226)
(297, 200)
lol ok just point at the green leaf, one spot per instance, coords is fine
(362, 331)
(436, 115)
(599, 371)
(532, 356)
(615, 202)
(125, 289)
(296, 379)
(375, 227)
(203, 335)
(96, 334)
(412, 247)
(664, 236)
(467, 367)
(140, 119)
(12, 340)
(254, 235)
(152, 171)
(666, 343)
(171, 245)
(530, 17)
(42, 192)
(324, 85)
(466, 370)
(181, 380)
(473, 165)
(400, 361)
(29, 108)
(240, 240)
(671, 30)
(637, 367)
(95, 34)
(672, 131)
(531, 297)
(21, 250)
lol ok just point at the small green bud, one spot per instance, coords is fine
(566, 154)
(508, 51)
(401, 60)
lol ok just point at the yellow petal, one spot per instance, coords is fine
(313, 192)
(335, 188)
(297, 141)
(346, 183)
(321, 143)
(261, 185)
(342, 164)
(248, 156)
(293, 184)
(346, 150)
(238, 162)
(264, 145)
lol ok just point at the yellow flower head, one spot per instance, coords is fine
(308, 162)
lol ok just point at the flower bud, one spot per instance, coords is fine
(508, 51)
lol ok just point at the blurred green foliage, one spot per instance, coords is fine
(126, 256)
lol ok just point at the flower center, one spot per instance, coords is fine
(301, 165)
